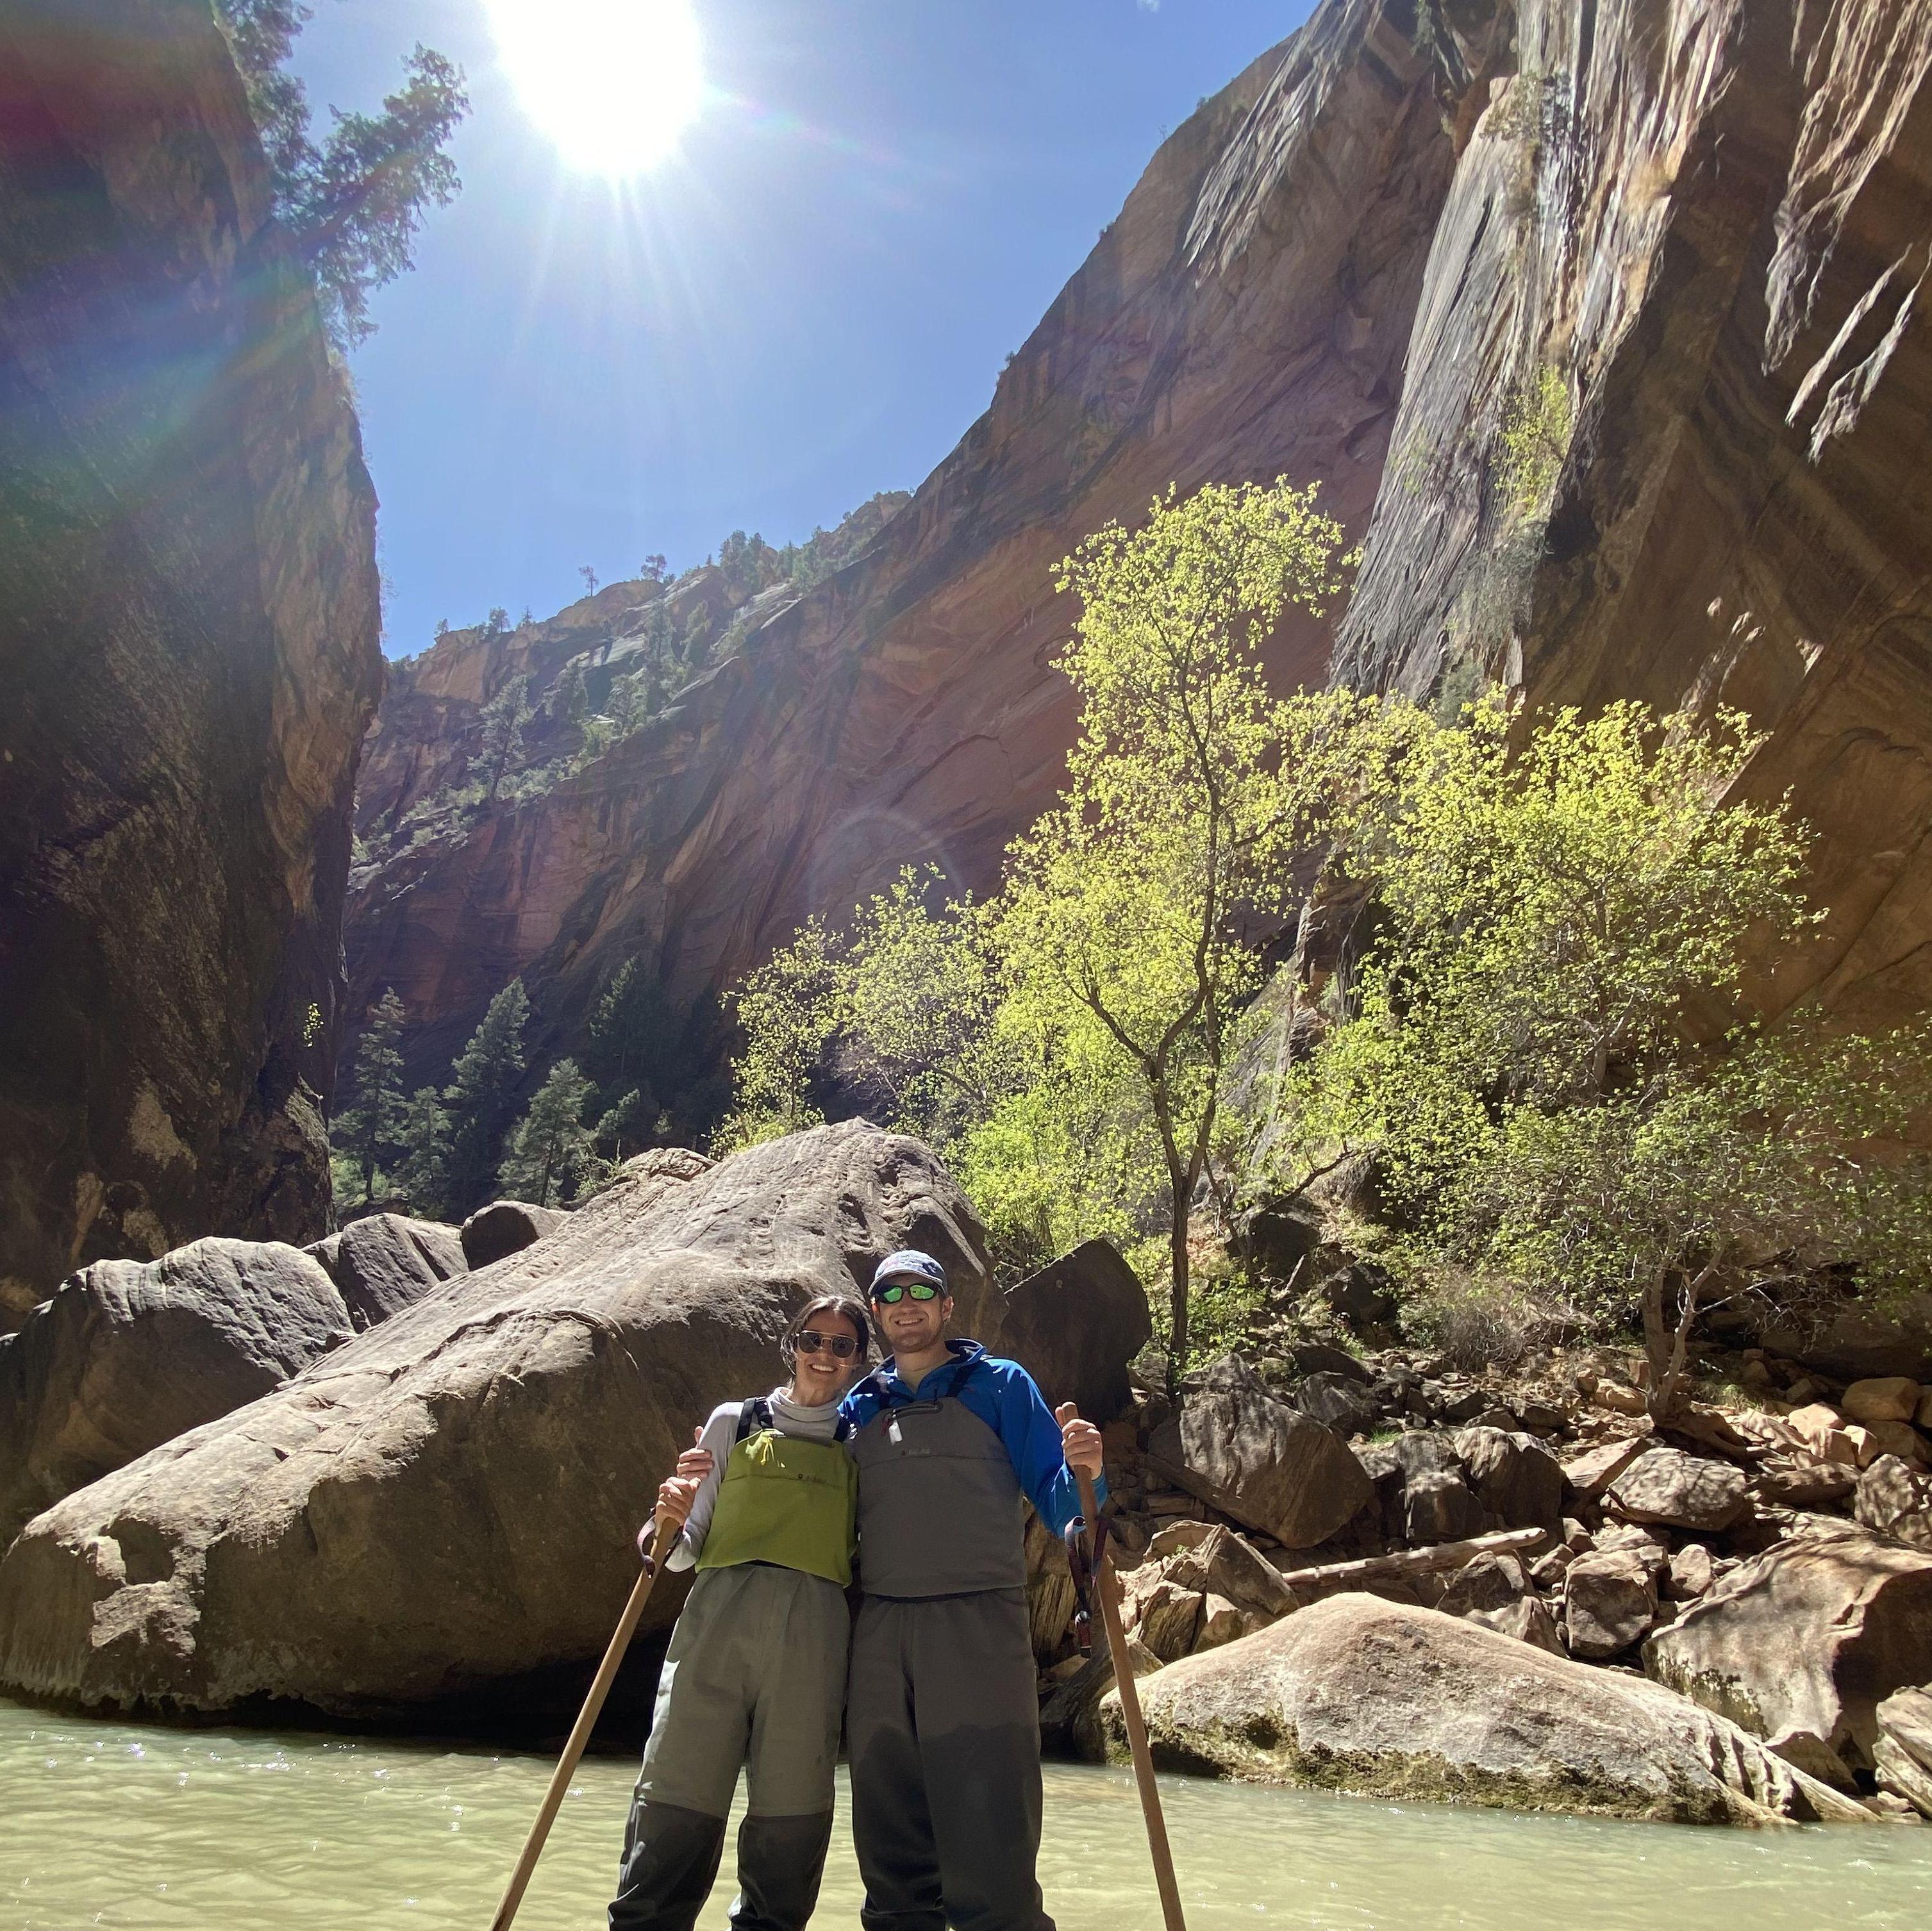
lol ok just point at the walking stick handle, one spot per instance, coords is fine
(1107, 1587)
(586, 1721)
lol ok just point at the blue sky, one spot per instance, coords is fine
(808, 303)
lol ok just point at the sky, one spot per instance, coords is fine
(807, 300)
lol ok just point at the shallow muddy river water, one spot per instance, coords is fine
(130, 1826)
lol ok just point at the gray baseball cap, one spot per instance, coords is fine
(909, 1264)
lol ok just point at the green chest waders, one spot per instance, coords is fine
(786, 1501)
(755, 1679)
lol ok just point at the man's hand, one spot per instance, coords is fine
(1080, 1441)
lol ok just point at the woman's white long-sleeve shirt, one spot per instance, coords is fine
(720, 1433)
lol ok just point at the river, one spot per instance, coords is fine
(137, 1827)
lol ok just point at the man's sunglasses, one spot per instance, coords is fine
(811, 1342)
(894, 1291)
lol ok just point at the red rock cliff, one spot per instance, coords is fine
(188, 626)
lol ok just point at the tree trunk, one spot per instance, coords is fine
(1177, 1355)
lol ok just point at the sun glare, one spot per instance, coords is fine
(612, 82)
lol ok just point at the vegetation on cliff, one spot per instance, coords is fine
(353, 203)
(1501, 954)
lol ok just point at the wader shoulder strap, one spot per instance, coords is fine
(754, 1417)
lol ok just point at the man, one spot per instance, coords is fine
(942, 1717)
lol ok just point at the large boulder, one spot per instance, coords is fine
(128, 1354)
(506, 1227)
(381, 1264)
(443, 1510)
(1359, 1694)
(1800, 1645)
(1076, 1325)
(1685, 1492)
(1256, 1460)
(1609, 1599)
(1517, 1480)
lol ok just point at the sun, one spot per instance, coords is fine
(613, 83)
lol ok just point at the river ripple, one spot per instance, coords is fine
(150, 1829)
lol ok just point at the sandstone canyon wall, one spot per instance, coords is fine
(1246, 315)
(188, 631)
(1594, 319)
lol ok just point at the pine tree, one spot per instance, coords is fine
(482, 1085)
(551, 1151)
(422, 1177)
(374, 1127)
(504, 717)
(571, 700)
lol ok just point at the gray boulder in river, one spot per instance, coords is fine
(1356, 1693)
(128, 1354)
(445, 1506)
(1801, 1645)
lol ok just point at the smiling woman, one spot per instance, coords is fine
(612, 82)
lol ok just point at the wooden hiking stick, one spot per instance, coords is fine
(1107, 1587)
(587, 1719)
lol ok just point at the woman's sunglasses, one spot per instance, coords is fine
(890, 1294)
(810, 1341)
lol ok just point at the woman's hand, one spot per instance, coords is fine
(694, 1464)
(675, 1497)
(1080, 1441)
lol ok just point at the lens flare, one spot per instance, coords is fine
(613, 83)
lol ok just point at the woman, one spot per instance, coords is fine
(754, 1677)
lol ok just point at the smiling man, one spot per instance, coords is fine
(942, 1719)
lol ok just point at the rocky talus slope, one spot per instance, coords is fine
(1598, 322)
(188, 626)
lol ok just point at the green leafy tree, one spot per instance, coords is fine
(503, 719)
(551, 1151)
(481, 1091)
(1071, 1037)
(423, 1176)
(1534, 1056)
(353, 204)
(374, 1127)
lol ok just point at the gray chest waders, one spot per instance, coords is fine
(943, 1721)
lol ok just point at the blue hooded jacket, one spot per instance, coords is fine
(1007, 1399)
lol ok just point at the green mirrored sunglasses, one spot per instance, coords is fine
(895, 1291)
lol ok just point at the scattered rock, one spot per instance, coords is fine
(128, 1354)
(1903, 1754)
(1593, 1472)
(1516, 1479)
(1609, 1599)
(1884, 1398)
(384, 1263)
(1221, 1622)
(1257, 1461)
(1618, 1399)
(1076, 1325)
(1362, 1298)
(1489, 1582)
(1359, 1694)
(1527, 1620)
(1691, 1572)
(1165, 1618)
(1802, 1481)
(1685, 1490)
(1337, 1401)
(506, 1227)
(1219, 1563)
(445, 1505)
(1893, 1501)
(1438, 1506)
(1800, 1645)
